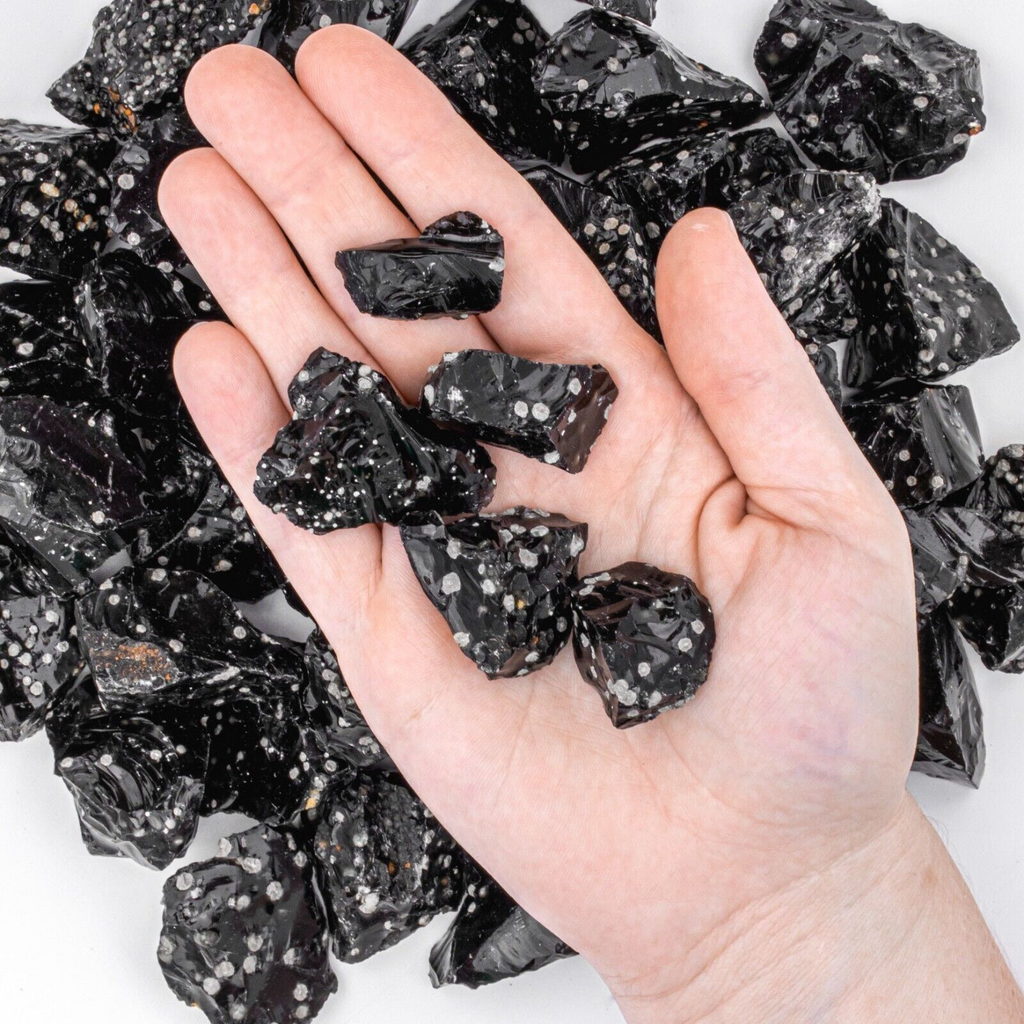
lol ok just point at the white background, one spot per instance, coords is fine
(78, 934)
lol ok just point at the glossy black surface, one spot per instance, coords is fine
(752, 159)
(826, 365)
(939, 569)
(833, 315)
(642, 10)
(992, 620)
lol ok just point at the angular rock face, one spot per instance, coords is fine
(831, 316)
(992, 620)
(502, 583)
(355, 453)
(826, 366)
(939, 569)
(642, 10)
(643, 639)
(859, 91)
(245, 934)
(752, 159)
(613, 85)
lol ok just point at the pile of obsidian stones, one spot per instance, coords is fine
(130, 570)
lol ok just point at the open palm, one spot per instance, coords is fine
(723, 459)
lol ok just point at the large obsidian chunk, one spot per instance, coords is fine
(54, 198)
(939, 569)
(796, 229)
(992, 619)
(455, 268)
(751, 159)
(492, 939)
(245, 935)
(613, 84)
(550, 411)
(643, 639)
(860, 91)
(141, 52)
(502, 583)
(951, 743)
(927, 310)
(354, 453)
(923, 441)
(388, 865)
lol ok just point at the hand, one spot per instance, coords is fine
(656, 850)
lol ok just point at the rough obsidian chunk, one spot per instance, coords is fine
(642, 10)
(611, 233)
(141, 52)
(492, 939)
(245, 935)
(455, 268)
(1000, 488)
(502, 583)
(388, 866)
(860, 91)
(54, 198)
(643, 639)
(796, 229)
(550, 411)
(992, 620)
(613, 84)
(355, 453)
(939, 569)
(923, 441)
(928, 312)
(986, 547)
(951, 743)
(826, 365)
(751, 159)
(831, 316)
(338, 724)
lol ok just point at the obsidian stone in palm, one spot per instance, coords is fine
(613, 85)
(502, 583)
(456, 268)
(752, 159)
(553, 412)
(354, 453)
(388, 866)
(923, 441)
(492, 939)
(927, 310)
(798, 228)
(643, 639)
(244, 935)
(862, 92)
(951, 742)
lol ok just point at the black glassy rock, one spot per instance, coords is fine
(922, 441)
(951, 743)
(939, 569)
(387, 864)
(612, 235)
(502, 583)
(54, 198)
(1000, 488)
(826, 365)
(927, 310)
(613, 85)
(642, 10)
(797, 228)
(860, 91)
(752, 159)
(833, 315)
(354, 453)
(988, 546)
(992, 619)
(492, 939)
(643, 639)
(141, 53)
(245, 934)
(455, 268)
(550, 411)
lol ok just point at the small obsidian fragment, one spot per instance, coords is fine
(642, 10)
(951, 743)
(388, 865)
(833, 315)
(54, 198)
(245, 934)
(797, 228)
(859, 91)
(455, 268)
(752, 159)
(550, 411)
(613, 84)
(826, 365)
(923, 441)
(939, 569)
(992, 620)
(927, 310)
(354, 453)
(502, 583)
(643, 639)
(1001, 486)
(492, 939)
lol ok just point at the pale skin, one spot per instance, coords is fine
(753, 857)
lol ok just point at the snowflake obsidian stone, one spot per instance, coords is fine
(549, 411)
(643, 639)
(502, 583)
(355, 453)
(455, 268)
(752, 159)
(860, 91)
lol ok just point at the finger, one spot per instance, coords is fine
(319, 192)
(238, 412)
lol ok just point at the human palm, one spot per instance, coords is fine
(723, 459)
